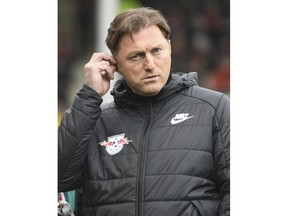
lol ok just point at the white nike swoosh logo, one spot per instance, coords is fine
(176, 121)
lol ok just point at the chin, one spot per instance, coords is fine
(149, 93)
(149, 90)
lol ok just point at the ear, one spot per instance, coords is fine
(117, 67)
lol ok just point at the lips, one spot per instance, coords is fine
(150, 77)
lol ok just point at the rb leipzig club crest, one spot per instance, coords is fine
(115, 143)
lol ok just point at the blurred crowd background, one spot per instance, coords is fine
(200, 39)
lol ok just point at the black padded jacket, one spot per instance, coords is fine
(166, 155)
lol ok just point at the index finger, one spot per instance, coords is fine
(98, 57)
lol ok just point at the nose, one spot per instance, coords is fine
(149, 63)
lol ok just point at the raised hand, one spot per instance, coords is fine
(99, 71)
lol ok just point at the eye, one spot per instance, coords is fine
(137, 56)
(156, 51)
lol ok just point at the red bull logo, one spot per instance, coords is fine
(115, 143)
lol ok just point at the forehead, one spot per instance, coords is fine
(146, 37)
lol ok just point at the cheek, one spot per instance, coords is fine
(122, 71)
(130, 69)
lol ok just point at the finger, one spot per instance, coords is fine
(110, 70)
(106, 70)
(98, 57)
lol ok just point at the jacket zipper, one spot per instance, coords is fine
(142, 160)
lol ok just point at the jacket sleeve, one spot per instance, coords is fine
(73, 133)
(221, 153)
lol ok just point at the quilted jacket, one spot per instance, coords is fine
(166, 155)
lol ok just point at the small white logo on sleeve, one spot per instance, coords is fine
(115, 143)
(180, 118)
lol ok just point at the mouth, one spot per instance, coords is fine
(152, 77)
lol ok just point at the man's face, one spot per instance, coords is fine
(144, 60)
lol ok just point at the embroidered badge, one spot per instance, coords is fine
(115, 143)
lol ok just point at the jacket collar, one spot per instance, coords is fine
(177, 81)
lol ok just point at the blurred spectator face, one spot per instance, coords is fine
(144, 60)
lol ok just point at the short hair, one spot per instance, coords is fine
(132, 21)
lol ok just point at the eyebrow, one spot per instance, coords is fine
(141, 51)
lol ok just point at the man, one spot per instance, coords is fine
(162, 147)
